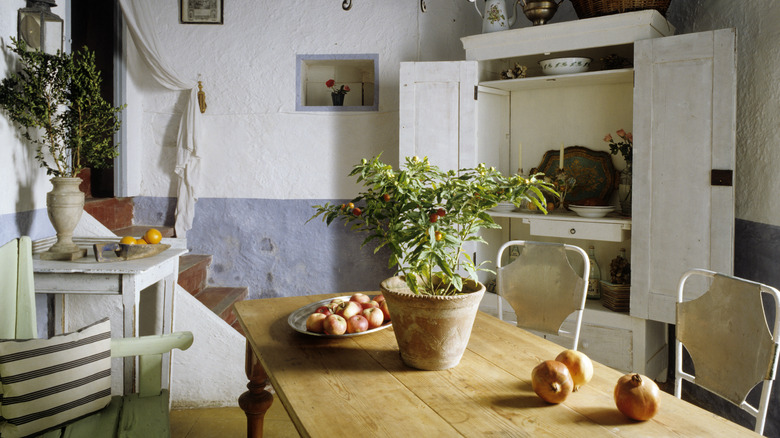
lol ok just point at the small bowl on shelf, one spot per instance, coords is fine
(590, 211)
(504, 207)
(564, 66)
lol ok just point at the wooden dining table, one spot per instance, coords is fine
(358, 386)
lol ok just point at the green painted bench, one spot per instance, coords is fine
(142, 414)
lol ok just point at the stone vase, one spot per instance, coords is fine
(64, 203)
(432, 331)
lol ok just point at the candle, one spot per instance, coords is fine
(560, 162)
(519, 157)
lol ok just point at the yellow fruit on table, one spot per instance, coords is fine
(141, 241)
(153, 236)
(128, 240)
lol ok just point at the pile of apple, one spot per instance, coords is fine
(360, 313)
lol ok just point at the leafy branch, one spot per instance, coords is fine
(56, 100)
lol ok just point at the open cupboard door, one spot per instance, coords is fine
(438, 113)
(684, 154)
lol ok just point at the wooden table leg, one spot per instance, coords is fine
(255, 402)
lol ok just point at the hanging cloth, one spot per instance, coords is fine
(140, 22)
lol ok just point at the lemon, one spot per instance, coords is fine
(152, 236)
(128, 240)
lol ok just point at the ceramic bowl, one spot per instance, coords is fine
(563, 66)
(504, 207)
(591, 211)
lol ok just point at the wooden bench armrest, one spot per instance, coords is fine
(154, 344)
(150, 350)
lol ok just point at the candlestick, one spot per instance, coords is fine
(519, 157)
(560, 160)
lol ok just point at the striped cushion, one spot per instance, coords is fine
(47, 382)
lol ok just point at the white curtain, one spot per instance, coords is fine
(139, 18)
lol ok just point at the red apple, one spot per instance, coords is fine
(379, 298)
(360, 297)
(357, 324)
(349, 309)
(325, 310)
(334, 325)
(315, 321)
(385, 310)
(375, 317)
(370, 304)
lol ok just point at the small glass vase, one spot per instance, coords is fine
(624, 191)
(338, 99)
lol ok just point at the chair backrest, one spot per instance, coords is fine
(726, 334)
(542, 287)
(17, 293)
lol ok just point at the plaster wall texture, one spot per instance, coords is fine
(254, 143)
(20, 173)
(758, 94)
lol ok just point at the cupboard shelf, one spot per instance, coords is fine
(604, 77)
(623, 222)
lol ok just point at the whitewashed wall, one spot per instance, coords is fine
(24, 183)
(255, 144)
(758, 93)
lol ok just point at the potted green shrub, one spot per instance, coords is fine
(426, 217)
(56, 101)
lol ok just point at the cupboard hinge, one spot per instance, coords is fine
(722, 177)
(476, 91)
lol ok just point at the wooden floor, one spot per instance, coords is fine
(228, 423)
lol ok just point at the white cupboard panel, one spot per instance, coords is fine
(680, 132)
(438, 112)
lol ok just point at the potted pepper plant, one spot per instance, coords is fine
(56, 101)
(427, 217)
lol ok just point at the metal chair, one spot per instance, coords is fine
(726, 333)
(542, 287)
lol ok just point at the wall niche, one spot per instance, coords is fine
(357, 71)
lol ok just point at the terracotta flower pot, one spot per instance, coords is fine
(432, 331)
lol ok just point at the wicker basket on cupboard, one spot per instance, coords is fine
(597, 8)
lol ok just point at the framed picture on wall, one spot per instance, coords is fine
(201, 11)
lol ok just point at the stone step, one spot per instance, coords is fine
(194, 272)
(220, 300)
(113, 213)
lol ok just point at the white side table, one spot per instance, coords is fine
(157, 274)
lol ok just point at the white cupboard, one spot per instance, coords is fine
(679, 100)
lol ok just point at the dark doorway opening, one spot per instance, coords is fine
(93, 26)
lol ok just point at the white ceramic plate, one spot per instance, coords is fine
(591, 211)
(297, 320)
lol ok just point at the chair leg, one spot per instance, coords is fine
(499, 306)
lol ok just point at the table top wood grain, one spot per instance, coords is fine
(358, 385)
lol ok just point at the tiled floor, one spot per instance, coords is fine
(228, 423)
